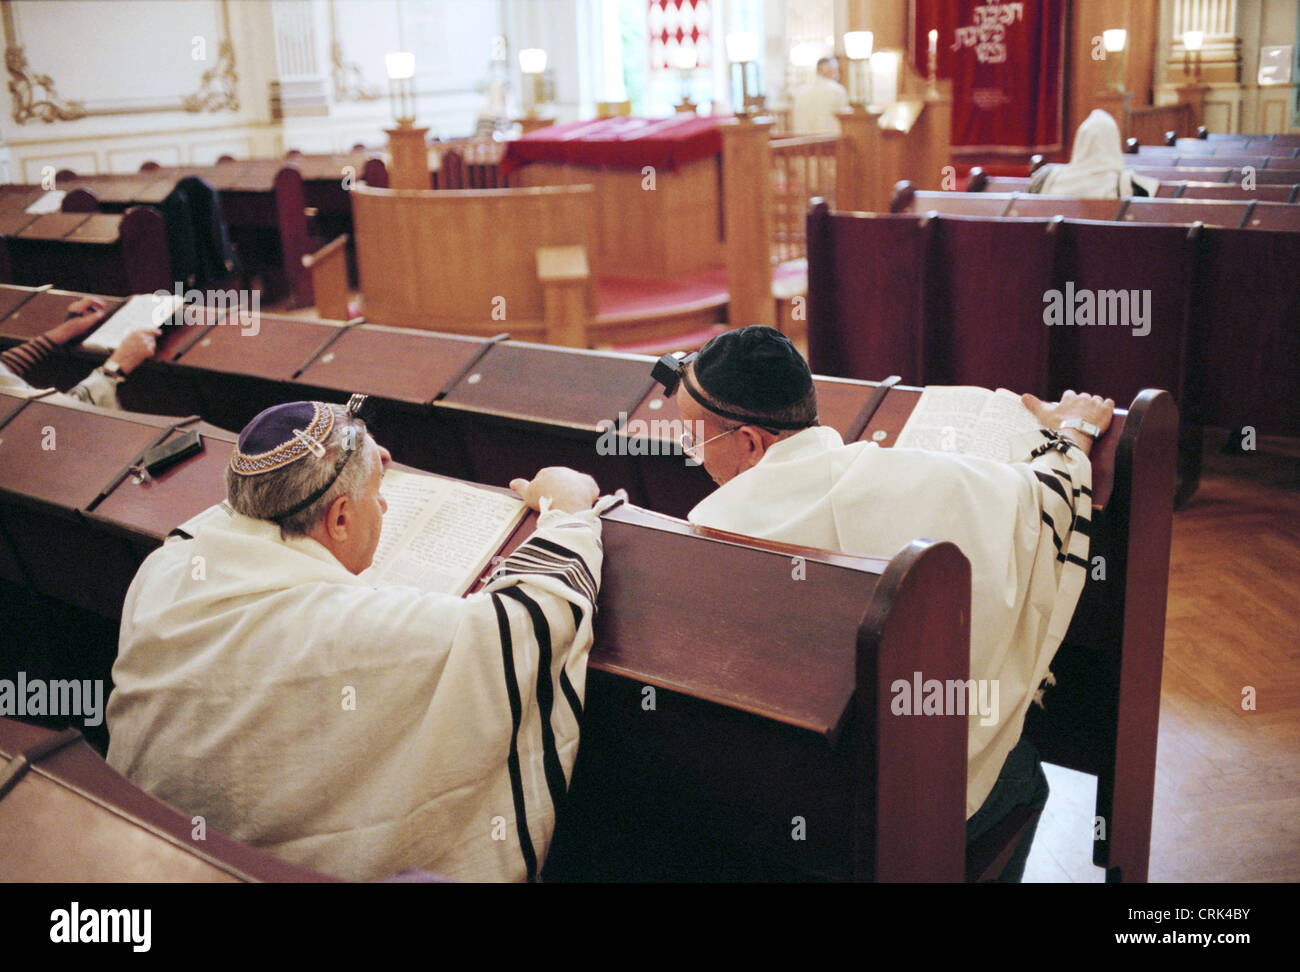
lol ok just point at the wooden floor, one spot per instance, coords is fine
(1227, 799)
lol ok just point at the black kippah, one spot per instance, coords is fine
(755, 368)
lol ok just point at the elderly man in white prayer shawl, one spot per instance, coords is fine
(1096, 169)
(1022, 524)
(243, 638)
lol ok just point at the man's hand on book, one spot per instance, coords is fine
(567, 489)
(83, 316)
(1090, 408)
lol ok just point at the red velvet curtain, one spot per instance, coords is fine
(1006, 62)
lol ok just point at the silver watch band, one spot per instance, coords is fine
(1082, 425)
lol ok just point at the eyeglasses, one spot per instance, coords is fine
(689, 447)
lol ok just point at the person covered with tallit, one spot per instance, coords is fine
(1096, 169)
(750, 400)
(361, 731)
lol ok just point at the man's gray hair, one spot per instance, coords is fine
(267, 494)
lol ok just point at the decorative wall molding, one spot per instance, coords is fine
(35, 97)
(349, 83)
(217, 90)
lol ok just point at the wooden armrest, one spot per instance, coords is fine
(309, 260)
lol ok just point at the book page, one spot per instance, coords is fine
(944, 418)
(1003, 420)
(51, 202)
(143, 312)
(439, 534)
(972, 421)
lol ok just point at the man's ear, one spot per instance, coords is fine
(336, 518)
(754, 445)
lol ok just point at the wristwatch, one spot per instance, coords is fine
(112, 371)
(1082, 425)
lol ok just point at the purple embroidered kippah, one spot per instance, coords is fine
(282, 434)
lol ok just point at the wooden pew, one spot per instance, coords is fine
(468, 261)
(1035, 206)
(1274, 216)
(908, 199)
(1214, 212)
(262, 202)
(474, 430)
(823, 723)
(67, 816)
(100, 253)
(1230, 191)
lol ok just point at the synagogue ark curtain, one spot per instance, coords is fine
(1006, 62)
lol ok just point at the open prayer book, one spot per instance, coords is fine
(963, 418)
(143, 312)
(439, 534)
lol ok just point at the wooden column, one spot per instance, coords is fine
(1194, 95)
(934, 131)
(408, 153)
(857, 161)
(565, 280)
(747, 220)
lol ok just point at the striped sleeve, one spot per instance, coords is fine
(25, 358)
(1064, 477)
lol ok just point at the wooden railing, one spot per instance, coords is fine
(1149, 124)
(473, 163)
(802, 167)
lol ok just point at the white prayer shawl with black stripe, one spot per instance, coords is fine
(355, 730)
(1023, 526)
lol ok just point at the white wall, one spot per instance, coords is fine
(131, 64)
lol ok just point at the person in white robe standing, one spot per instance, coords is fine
(262, 686)
(813, 106)
(750, 398)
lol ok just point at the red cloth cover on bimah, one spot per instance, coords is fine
(618, 143)
(1006, 62)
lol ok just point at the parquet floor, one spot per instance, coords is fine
(1227, 797)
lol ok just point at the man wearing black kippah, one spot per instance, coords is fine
(1022, 524)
